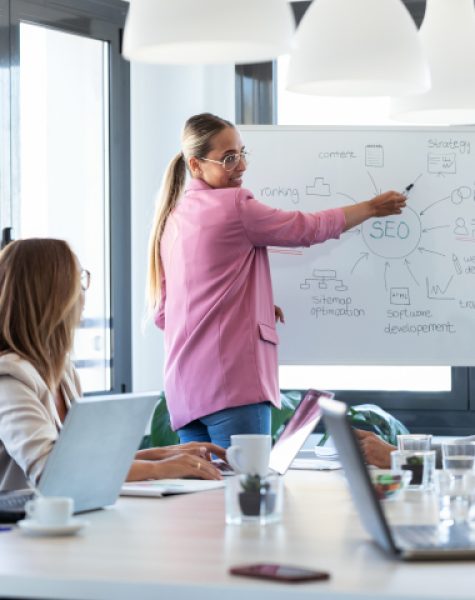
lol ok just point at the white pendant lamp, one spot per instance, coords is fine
(357, 48)
(207, 31)
(448, 38)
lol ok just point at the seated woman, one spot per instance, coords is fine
(41, 299)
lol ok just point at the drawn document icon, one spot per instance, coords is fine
(441, 163)
(374, 155)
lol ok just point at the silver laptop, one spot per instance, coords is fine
(294, 435)
(95, 449)
(409, 542)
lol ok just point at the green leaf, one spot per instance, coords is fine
(145, 443)
(161, 433)
(279, 417)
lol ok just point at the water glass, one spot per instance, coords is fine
(414, 442)
(421, 465)
(456, 496)
(458, 457)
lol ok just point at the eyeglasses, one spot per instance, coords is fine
(85, 279)
(231, 161)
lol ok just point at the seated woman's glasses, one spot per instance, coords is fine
(85, 279)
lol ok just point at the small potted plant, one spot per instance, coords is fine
(256, 499)
(415, 464)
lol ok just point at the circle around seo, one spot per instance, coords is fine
(396, 236)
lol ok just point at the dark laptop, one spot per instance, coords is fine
(92, 455)
(408, 542)
(294, 435)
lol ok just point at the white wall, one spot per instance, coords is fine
(162, 98)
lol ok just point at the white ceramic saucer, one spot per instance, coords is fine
(34, 528)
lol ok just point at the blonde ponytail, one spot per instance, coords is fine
(171, 189)
(197, 139)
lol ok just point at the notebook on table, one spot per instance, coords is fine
(319, 458)
(92, 455)
(408, 542)
(156, 488)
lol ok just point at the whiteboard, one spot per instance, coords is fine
(392, 291)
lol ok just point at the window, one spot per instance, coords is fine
(67, 91)
(64, 179)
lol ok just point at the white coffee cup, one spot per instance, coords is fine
(249, 454)
(50, 511)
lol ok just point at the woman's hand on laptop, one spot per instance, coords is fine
(174, 467)
(375, 451)
(203, 449)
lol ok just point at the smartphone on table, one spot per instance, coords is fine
(277, 572)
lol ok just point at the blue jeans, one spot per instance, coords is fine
(218, 427)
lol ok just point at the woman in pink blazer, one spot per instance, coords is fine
(210, 285)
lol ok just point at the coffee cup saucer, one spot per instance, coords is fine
(32, 527)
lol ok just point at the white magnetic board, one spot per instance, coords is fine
(399, 290)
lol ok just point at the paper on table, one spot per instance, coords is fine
(167, 487)
(326, 452)
(315, 464)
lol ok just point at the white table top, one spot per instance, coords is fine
(180, 547)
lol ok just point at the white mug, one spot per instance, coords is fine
(50, 511)
(249, 454)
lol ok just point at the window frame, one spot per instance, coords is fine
(441, 413)
(102, 20)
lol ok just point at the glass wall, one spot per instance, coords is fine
(64, 176)
(65, 159)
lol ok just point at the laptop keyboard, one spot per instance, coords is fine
(426, 536)
(223, 467)
(12, 505)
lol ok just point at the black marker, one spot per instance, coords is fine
(408, 188)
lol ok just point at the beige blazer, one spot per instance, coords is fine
(29, 421)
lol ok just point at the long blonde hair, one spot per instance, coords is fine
(40, 304)
(196, 141)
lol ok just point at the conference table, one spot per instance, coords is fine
(179, 547)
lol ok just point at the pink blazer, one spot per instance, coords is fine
(217, 307)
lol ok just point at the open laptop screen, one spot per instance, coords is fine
(300, 426)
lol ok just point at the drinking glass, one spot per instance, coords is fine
(415, 442)
(458, 457)
(456, 483)
(456, 496)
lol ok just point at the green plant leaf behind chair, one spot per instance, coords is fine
(161, 433)
(279, 417)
